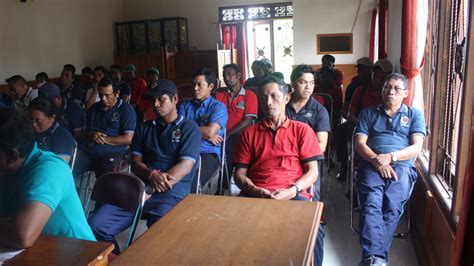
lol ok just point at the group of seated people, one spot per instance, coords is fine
(275, 158)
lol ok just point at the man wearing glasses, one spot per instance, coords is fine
(388, 138)
(110, 127)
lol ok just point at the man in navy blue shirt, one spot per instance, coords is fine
(211, 117)
(110, 127)
(304, 108)
(164, 156)
(388, 138)
(124, 87)
(70, 88)
(70, 114)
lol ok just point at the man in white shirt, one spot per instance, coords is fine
(22, 93)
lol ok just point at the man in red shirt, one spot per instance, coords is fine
(277, 158)
(242, 107)
(139, 88)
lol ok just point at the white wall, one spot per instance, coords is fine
(394, 37)
(202, 15)
(312, 17)
(43, 35)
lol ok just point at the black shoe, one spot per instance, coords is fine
(373, 261)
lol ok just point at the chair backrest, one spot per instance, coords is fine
(72, 161)
(185, 91)
(122, 190)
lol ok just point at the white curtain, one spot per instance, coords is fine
(421, 28)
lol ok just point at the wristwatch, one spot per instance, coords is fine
(298, 190)
(393, 157)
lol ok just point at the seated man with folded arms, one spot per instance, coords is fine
(304, 108)
(21, 92)
(364, 97)
(164, 156)
(277, 158)
(109, 130)
(211, 117)
(70, 114)
(388, 138)
(37, 191)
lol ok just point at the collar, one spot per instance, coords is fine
(51, 129)
(403, 109)
(176, 122)
(116, 106)
(27, 94)
(64, 107)
(310, 104)
(204, 103)
(265, 125)
(241, 92)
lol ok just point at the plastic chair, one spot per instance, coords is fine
(329, 107)
(122, 190)
(72, 161)
(198, 183)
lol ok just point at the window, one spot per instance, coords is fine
(255, 12)
(444, 90)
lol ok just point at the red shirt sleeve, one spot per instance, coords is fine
(242, 154)
(337, 97)
(308, 145)
(338, 77)
(251, 103)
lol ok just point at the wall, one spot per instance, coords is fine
(313, 17)
(202, 15)
(43, 35)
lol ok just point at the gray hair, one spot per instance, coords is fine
(397, 76)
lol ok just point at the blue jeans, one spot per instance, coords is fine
(382, 204)
(108, 220)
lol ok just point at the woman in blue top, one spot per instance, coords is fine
(49, 135)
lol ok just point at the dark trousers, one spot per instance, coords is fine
(343, 137)
(209, 165)
(382, 203)
(231, 144)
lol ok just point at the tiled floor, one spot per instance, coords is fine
(341, 245)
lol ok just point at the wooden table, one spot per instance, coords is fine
(53, 250)
(217, 230)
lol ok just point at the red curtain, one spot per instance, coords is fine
(233, 36)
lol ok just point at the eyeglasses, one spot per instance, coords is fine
(303, 82)
(389, 88)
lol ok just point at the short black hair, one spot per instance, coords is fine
(284, 88)
(329, 58)
(259, 63)
(101, 68)
(207, 73)
(16, 132)
(87, 70)
(233, 66)
(116, 67)
(42, 76)
(15, 79)
(299, 71)
(398, 76)
(44, 105)
(70, 67)
(105, 82)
